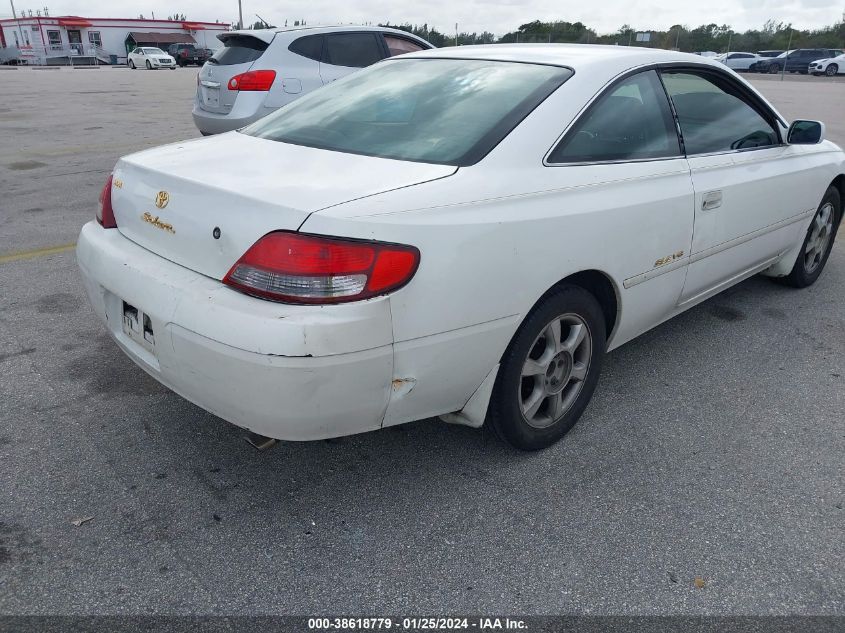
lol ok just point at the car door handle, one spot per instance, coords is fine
(711, 200)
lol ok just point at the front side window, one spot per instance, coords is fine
(355, 50)
(714, 115)
(632, 121)
(443, 111)
(400, 45)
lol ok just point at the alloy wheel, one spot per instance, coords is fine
(831, 70)
(554, 371)
(821, 231)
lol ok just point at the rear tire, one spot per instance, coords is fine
(549, 371)
(817, 244)
(831, 70)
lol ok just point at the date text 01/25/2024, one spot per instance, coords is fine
(417, 624)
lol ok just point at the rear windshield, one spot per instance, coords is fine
(239, 49)
(444, 111)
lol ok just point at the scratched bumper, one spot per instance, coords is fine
(289, 372)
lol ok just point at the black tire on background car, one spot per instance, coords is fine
(549, 371)
(131, 64)
(831, 70)
(818, 242)
(149, 65)
(774, 69)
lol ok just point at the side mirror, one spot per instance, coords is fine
(805, 133)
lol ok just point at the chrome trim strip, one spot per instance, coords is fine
(714, 250)
(737, 241)
(752, 270)
(655, 272)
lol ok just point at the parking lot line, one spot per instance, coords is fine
(38, 252)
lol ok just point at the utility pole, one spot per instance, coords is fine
(456, 33)
(240, 15)
(15, 16)
(786, 59)
(677, 38)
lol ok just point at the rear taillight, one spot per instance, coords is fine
(253, 80)
(296, 268)
(105, 213)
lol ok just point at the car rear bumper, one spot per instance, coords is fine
(248, 107)
(288, 372)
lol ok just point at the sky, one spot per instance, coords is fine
(497, 16)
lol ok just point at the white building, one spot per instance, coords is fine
(73, 39)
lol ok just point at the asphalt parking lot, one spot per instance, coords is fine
(712, 450)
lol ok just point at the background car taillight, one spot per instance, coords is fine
(253, 80)
(105, 213)
(297, 268)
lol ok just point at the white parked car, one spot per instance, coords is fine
(738, 61)
(150, 58)
(256, 72)
(460, 233)
(830, 67)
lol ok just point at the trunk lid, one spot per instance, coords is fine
(238, 54)
(171, 199)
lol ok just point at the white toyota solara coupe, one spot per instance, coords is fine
(459, 233)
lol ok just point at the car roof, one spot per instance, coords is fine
(608, 59)
(260, 33)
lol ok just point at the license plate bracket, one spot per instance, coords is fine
(211, 96)
(138, 326)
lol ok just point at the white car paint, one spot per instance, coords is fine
(493, 238)
(150, 58)
(738, 60)
(832, 66)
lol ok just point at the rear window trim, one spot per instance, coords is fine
(506, 123)
(225, 37)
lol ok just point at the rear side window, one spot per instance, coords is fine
(400, 45)
(239, 49)
(310, 46)
(714, 116)
(632, 121)
(356, 50)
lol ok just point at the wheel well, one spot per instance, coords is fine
(602, 288)
(839, 183)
